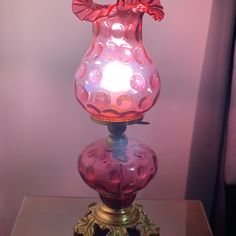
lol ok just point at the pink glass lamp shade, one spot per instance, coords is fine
(117, 171)
(117, 81)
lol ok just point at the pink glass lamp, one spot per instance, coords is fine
(117, 82)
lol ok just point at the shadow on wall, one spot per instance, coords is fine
(209, 121)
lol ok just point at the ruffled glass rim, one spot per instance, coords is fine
(90, 11)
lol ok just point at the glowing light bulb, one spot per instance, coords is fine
(116, 77)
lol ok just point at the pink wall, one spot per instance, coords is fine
(42, 128)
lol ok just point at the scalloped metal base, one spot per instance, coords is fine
(101, 220)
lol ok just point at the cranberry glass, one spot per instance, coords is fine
(117, 81)
(117, 171)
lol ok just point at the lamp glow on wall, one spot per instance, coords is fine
(117, 82)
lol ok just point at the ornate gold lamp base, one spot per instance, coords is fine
(102, 220)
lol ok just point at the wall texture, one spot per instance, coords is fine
(42, 128)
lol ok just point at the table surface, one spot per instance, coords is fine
(55, 216)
